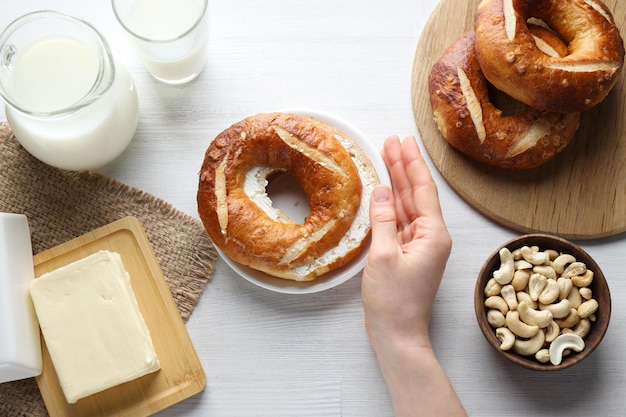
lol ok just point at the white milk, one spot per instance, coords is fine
(42, 81)
(32, 87)
(171, 48)
(180, 70)
(163, 20)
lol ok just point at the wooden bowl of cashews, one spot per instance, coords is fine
(542, 302)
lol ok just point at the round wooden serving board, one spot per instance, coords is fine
(581, 194)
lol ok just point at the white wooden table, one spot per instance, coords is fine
(270, 354)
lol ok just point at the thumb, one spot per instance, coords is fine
(383, 219)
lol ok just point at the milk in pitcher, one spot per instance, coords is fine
(69, 104)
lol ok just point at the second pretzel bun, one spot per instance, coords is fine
(333, 171)
(470, 122)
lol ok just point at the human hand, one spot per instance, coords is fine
(409, 250)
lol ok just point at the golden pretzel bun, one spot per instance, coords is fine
(471, 123)
(332, 170)
(513, 63)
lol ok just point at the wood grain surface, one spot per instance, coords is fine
(181, 374)
(581, 194)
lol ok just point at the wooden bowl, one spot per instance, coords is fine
(599, 288)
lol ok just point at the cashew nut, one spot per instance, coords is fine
(528, 347)
(497, 302)
(573, 269)
(587, 308)
(508, 293)
(536, 284)
(545, 270)
(495, 318)
(565, 341)
(552, 331)
(551, 254)
(504, 274)
(492, 288)
(518, 327)
(570, 320)
(523, 296)
(565, 286)
(586, 293)
(533, 256)
(520, 279)
(583, 280)
(559, 263)
(522, 264)
(550, 292)
(558, 310)
(543, 355)
(532, 317)
(582, 329)
(505, 336)
(574, 297)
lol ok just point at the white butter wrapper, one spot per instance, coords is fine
(20, 344)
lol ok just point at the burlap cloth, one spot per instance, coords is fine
(62, 205)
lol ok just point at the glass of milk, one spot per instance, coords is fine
(68, 102)
(169, 36)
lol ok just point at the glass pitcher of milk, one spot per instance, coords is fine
(68, 101)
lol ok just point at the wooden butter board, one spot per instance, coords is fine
(181, 374)
(581, 194)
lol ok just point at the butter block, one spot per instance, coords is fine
(20, 345)
(92, 325)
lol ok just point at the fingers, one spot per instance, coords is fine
(425, 197)
(392, 156)
(413, 186)
(383, 221)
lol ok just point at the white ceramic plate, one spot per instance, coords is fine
(293, 205)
